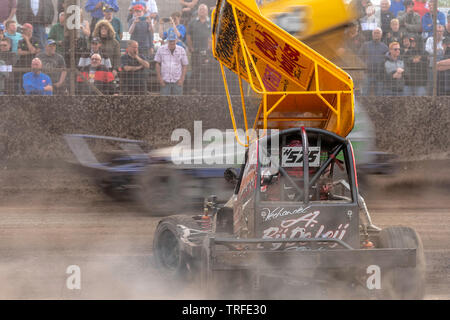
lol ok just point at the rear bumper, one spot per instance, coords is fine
(221, 258)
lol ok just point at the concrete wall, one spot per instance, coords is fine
(31, 128)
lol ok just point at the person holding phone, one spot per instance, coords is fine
(141, 31)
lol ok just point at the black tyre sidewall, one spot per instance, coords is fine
(403, 283)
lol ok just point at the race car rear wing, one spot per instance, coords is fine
(78, 144)
(298, 86)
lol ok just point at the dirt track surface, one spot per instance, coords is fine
(51, 218)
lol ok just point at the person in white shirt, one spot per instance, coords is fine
(171, 66)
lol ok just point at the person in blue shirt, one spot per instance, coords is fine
(95, 7)
(36, 82)
(176, 27)
(11, 32)
(396, 7)
(427, 21)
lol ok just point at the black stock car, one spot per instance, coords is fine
(292, 221)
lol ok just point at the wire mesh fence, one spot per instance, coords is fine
(144, 53)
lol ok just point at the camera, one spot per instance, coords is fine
(165, 20)
(142, 18)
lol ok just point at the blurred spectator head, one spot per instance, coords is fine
(50, 47)
(11, 26)
(377, 33)
(36, 65)
(446, 43)
(394, 49)
(202, 11)
(385, 5)
(365, 3)
(132, 47)
(440, 31)
(406, 41)
(27, 29)
(176, 17)
(5, 44)
(96, 60)
(61, 17)
(352, 29)
(395, 25)
(95, 44)
(107, 8)
(171, 40)
(409, 6)
(104, 30)
(107, 12)
(370, 11)
(138, 10)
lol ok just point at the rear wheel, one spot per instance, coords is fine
(167, 253)
(403, 283)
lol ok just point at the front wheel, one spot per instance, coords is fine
(404, 283)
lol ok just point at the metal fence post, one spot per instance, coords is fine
(435, 78)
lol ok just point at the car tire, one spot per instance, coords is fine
(168, 256)
(403, 283)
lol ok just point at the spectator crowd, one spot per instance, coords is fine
(396, 42)
(172, 55)
(36, 56)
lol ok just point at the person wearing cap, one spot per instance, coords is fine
(108, 15)
(7, 10)
(95, 48)
(39, 13)
(11, 32)
(95, 8)
(427, 20)
(171, 66)
(134, 75)
(52, 60)
(36, 82)
(141, 30)
(150, 8)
